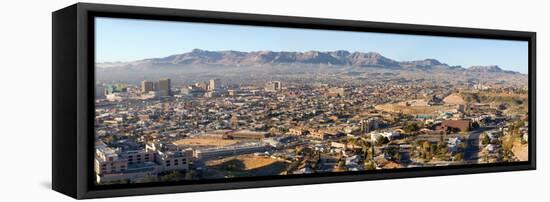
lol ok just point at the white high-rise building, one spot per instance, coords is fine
(215, 84)
(273, 86)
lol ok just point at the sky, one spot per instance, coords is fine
(132, 39)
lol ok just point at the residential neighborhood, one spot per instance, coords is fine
(155, 130)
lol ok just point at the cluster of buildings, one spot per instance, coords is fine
(132, 163)
(267, 117)
(121, 92)
(155, 89)
(230, 150)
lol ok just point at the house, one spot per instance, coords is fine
(454, 126)
(297, 131)
(389, 135)
(492, 148)
(453, 144)
(305, 170)
(494, 135)
(353, 162)
(344, 145)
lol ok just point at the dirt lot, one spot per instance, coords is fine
(521, 151)
(246, 165)
(205, 142)
(413, 110)
(249, 161)
(454, 99)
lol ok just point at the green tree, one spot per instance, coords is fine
(458, 157)
(341, 165)
(369, 165)
(351, 142)
(173, 176)
(412, 127)
(485, 139)
(381, 140)
(190, 175)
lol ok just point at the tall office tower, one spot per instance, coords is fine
(147, 86)
(273, 86)
(370, 124)
(277, 85)
(232, 92)
(99, 91)
(164, 86)
(337, 92)
(215, 84)
(202, 85)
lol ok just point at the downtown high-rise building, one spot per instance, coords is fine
(273, 86)
(147, 86)
(160, 87)
(164, 86)
(215, 84)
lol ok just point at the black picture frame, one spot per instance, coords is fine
(73, 98)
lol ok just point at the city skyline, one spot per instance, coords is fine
(128, 40)
(217, 115)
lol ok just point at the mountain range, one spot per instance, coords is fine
(335, 58)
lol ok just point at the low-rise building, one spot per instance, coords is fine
(374, 136)
(230, 150)
(115, 164)
(456, 125)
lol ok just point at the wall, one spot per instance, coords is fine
(25, 77)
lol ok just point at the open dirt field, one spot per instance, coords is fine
(205, 142)
(248, 161)
(246, 165)
(454, 99)
(413, 110)
(521, 151)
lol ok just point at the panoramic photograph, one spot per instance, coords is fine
(183, 101)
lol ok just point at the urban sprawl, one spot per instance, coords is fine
(154, 131)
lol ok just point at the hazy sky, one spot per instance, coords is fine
(130, 39)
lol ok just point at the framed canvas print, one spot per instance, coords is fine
(155, 100)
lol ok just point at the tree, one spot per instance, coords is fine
(433, 149)
(351, 141)
(475, 124)
(458, 157)
(412, 127)
(426, 146)
(443, 150)
(369, 165)
(441, 147)
(173, 176)
(273, 131)
(341, 163)
(114, 138)
(299, 150)
(148, 179)
(364, 147)
(190, 175)
(485, 139)
(381, 140)
(366, 154)
(507, 143)
(341, 166)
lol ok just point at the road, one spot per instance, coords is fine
(472, 149)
